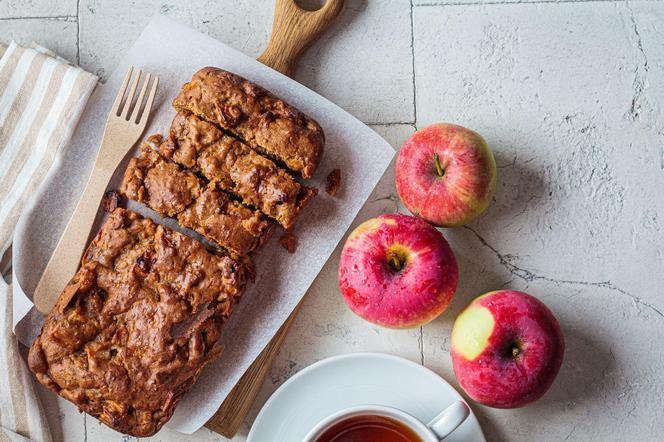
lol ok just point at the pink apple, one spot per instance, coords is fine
(446, 174)
(507, 348)
(397, 271)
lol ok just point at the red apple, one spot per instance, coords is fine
(446, 174)
(397, 271)
(507, 348)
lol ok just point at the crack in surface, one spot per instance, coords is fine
(571, 432)
(390, 123)
(391, 197)
(507, 261)
(640, 72)
(412, 59)
(78, 32)
(41, 17)
(420, 342)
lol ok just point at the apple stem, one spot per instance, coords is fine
(516, 351)
(439, 168)
(396, 264)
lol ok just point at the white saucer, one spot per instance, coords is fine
(356, 379)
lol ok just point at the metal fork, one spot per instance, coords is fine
(124, 127)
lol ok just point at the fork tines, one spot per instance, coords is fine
(125, 102)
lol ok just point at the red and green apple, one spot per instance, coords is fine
(397, 271)
(446, 174)
(507, 348)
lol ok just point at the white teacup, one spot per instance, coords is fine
(440, 426)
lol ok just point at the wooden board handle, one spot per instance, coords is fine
(231, 414)
(294, 30)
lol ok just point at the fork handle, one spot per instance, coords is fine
(294, 30)
(67, 254)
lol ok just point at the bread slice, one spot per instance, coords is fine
(237, 169)
(173, 191)
(266, 123)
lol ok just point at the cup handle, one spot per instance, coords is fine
(449, 419)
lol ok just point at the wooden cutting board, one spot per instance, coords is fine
(293, 31)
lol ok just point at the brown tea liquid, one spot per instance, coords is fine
(369, 428)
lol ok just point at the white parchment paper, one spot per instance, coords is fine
(174, 52)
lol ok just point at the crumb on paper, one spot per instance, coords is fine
(155, 140)
(110, 201)
(289, 242)
(333, 182)
(249, 266)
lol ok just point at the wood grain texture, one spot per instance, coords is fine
(293, 31)
(229, 417)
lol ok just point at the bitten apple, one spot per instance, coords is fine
(397, 271)
(507, 348)
(446, 174)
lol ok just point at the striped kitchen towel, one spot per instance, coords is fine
(41, 100)
(21, 416)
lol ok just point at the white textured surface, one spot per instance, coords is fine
(59, 34)
(569, 94)
(37, 8)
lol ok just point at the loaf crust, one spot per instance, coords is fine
(172, 191)
(265, 122)
(258, 181)
(132, 331)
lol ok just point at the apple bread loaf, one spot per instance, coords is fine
(249, 112)
(172, 191)
(132, 331)
(237, 169)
